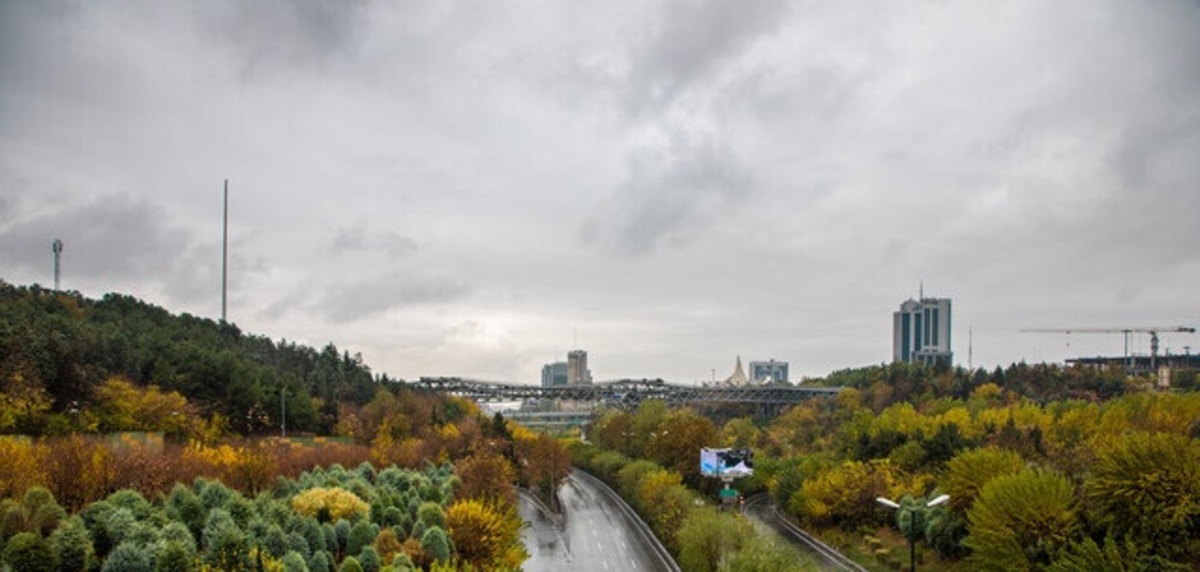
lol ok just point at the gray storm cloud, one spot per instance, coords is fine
(682, 182)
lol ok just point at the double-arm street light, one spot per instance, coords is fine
(912, 516)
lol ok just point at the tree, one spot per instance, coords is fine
(740, 433)
(29, 552)
(127, 557)
(361, 534)
(1020, 521)
(968, 472)
(350, 564)
(174, 556)
(368, 558)
(543, 463)
(320, 562)
(666, 501)
(330, 503)
(1146, 487)
(294, 562)
(676, 443)
(37, 512)
(436, 543)
(487, 534)
(22, 400)
(1087, 556)
(708, 538)
(485, 476)
(845, 494)
(72, 546)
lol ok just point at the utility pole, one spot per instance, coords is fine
(283, 410)
(57, 247)
(225, 252)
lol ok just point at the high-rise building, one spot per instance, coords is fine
(768, 371)
(921, 332)
(577, 368)
(554, 374)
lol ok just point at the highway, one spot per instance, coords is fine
(594, 534)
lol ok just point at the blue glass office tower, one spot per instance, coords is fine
(921, 332)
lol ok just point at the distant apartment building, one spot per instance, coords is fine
(554, 374)
(770, 371)
(921, 332)
(577, 368)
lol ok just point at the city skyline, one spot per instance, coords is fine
(458, 190)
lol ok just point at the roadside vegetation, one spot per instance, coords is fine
(1095, 472)
(133, 439)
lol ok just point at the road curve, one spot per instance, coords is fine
(595, 533)
(825, 557)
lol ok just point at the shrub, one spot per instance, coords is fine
(72, 546)
(120, 525)
(275, 541)
(1146, 487)
(369, 559)
(127, 557)
(227, 549)
(1020, 521)
(402, 563)
(320, 562)
(294, 562)
(174, 556)
(132, 500)
(185, 506)
(361, 534)
(218, 519)
(331, 503)
(436, 543)
(297, 543)
(969, 471)
(485, 533)
(177, 532)
(42, 513)
(431, 514)
(708, 537)
(28, 552)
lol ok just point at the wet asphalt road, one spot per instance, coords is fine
(594, 534)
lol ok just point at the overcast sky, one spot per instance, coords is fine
(475, 188)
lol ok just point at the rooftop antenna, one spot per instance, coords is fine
(57, 247)
(225, 253)
(921, 292)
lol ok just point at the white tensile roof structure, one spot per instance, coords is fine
(739, 375)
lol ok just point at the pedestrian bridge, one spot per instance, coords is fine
(628, 393)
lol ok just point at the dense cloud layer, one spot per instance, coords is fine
(475, 188)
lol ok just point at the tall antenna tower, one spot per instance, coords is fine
(57, 247)
(225, 253)
(971, 348)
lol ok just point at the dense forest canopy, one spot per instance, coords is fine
(59, 349)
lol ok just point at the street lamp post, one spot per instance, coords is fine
(911, 517)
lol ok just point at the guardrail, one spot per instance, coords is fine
(660, 551)
(829, 553)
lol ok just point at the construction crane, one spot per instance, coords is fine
(1126, 331)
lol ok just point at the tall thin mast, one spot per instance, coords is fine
(57, 247)
(225, 253)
